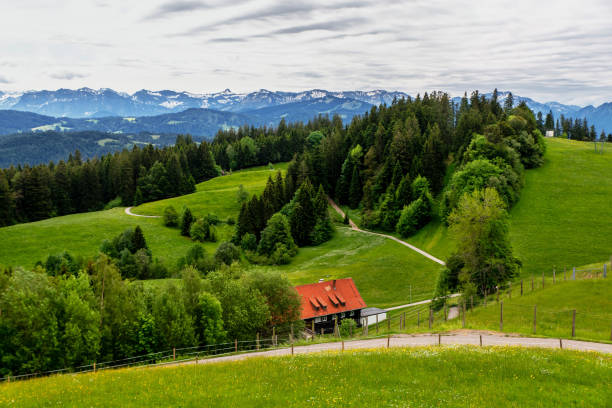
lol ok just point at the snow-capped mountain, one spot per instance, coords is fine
(91, 103)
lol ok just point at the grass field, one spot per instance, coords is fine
(82, 234)
(384, 271)
(419, 377)
(591, 298)
(564, 215)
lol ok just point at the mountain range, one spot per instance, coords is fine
(113, 111)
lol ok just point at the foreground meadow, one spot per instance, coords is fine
(420, 377)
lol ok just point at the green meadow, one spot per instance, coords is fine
(564, 215)
(591, 298)
(82, 234)
(461, 376)
(385, 272)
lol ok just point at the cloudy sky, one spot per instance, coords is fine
(548, 50)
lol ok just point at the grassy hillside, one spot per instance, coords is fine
(432, 376)
(82, 234)
(383, 270)
(591, 298)
(564, 215)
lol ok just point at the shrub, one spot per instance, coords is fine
(212, 219)
(322, 231)
(227, 253)
(248, 242)
(171, 218)
(116, 202)
(348, 327)
(230, 221)
(414, 217)
(199, 230)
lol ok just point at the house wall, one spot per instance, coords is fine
(328, 325)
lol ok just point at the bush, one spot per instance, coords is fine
(248, 242)
(322, 232)
(414, 216)
(348, 327)
(230, 221)
(281, 255)
(171, 218)
(199, 230)
(212, 219)
(113, 203)
(227, 253)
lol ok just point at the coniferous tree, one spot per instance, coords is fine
(186, 221)
(303, 217)
(509, 103)
(6, 202)
(433, 158)
(138, 239)
(355, 190)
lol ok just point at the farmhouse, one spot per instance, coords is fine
(325, 302)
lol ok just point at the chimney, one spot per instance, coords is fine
(334, 284)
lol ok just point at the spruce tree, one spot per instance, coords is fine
(303, 219)
(186, 221)
(508, 103)
(6, 202)
(355, 189)
(138, 239)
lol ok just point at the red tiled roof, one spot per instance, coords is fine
(321, 299)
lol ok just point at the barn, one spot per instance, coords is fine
(324, 303)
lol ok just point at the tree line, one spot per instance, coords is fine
(129, 177)
(50, 321)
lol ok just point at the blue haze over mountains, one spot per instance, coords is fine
(170, 112)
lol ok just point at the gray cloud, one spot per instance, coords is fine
(174, 7)
(67, 75)
(283, 9)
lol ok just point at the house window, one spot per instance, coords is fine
(323, 318)
(352, 313)
(317, 319)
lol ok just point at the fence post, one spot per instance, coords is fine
(445, 312)
(291, 331)
(94, 366)
(312, 329)
(257, 341)
(236, 345)
(535, 313)
(501, 316)
(463, 309)
(388, 339)
(291, 346)
(376, 324)
(273, 335)
(574, 323)
(418, 318)
(439, 339)
(430, 317)
(521, 287)
(605, 270)
(481, 340)
(174, 353)
(342, 344)
(497, 292)
(322, 331)
(560, 343)
(404, 321)
(574, 273)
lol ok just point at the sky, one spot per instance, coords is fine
(547, 50)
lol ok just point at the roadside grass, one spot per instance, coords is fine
(82, 234)
(591, 298)
(385, 272)
(456, 376)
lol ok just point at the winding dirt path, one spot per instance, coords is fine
(128, 211)
(354, 227)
